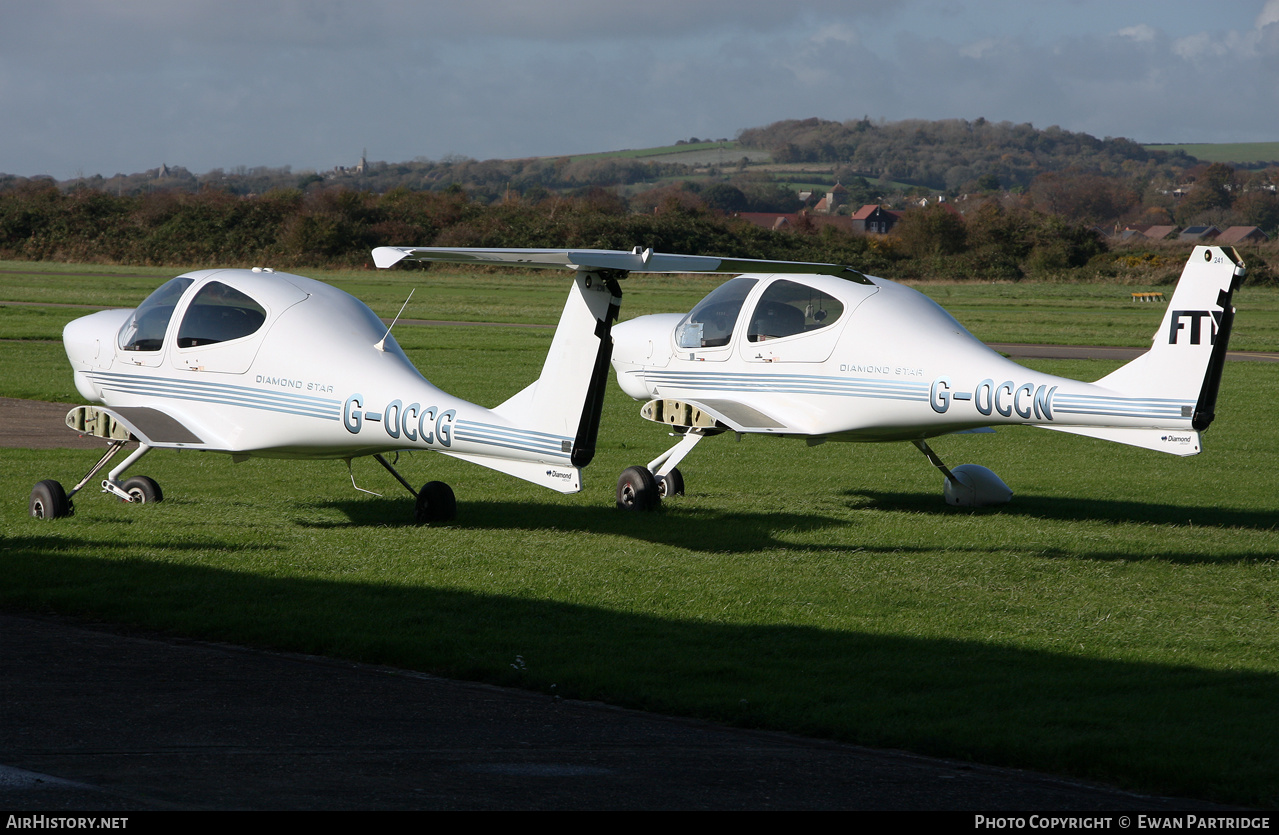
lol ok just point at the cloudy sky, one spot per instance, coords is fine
(122, 86)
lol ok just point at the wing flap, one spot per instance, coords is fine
(142, 423)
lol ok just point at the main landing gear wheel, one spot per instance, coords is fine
(435, 503)
(49, 501)
(637, 490)
(143, 490)
(671, 484)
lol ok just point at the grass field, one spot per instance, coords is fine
(1242, 152)
(1118, 621)
(697, 151)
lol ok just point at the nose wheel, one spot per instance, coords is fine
(50, 501)
(671, 484)
(643, 488)
(143, 490)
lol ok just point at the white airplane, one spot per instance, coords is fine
(852, 357)
(267, 364)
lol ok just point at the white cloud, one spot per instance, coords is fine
(1141, 33)
(1269, 14)
(1197, 46)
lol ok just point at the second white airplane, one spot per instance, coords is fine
(851, 357)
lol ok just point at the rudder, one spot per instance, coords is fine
(1189, 349)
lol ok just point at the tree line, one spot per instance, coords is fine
(338, 227)
(952, 153)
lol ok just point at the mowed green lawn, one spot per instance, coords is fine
(1237, 152)
(1118, 621)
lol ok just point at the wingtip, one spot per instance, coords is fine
(388, 256)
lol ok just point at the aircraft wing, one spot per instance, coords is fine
(153, 427)
(636, 261)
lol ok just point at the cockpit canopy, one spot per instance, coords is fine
(785, 308)
(216, 313)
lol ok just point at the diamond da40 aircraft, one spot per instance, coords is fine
(851, 357)
(257, 363)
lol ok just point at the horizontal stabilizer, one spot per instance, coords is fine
(1172, 441)
(636, 261)
(556, 477)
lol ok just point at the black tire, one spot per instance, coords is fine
(49, 501)
(637, 490)
(672, 484)
(143, 490)
(435, 503)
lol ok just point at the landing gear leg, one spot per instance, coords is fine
(137, 490)
(435, 501)
(50, 501)
(663, 466)
(633, 486)
(968, 485)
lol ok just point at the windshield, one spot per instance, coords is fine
(710, 323)
(145, 329)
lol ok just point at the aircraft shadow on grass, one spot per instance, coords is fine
(704, 530)
(1078, 510)
(712, 531)
(1174, 729)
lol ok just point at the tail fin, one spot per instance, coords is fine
(568, 397)
(1189, 349)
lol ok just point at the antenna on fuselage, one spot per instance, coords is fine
(381, 344)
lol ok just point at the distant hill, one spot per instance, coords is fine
(874, 159)
(949, 153)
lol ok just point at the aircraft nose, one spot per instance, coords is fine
(632, 348)
(631, 343)
(90, 340)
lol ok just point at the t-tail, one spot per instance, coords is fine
(1177, 380)
(563, 405)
